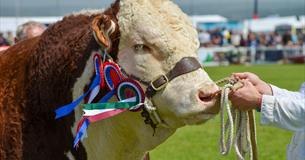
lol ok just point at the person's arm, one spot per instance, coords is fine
(283, 112)
(269, 89)
(279, 92)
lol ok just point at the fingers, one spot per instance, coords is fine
(244, 98)
(239, 76)
(246, 83)
(236, 102)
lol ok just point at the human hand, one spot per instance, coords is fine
(261, 86)
(247, 97)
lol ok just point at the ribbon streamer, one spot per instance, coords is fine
(81, 131)
(91, 119)
(100, 111)
(124, 104)
(107, 96)
(67, 109)
(88, 113)
(105, 115)
(98, 71)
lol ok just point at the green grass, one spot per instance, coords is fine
(201, 142)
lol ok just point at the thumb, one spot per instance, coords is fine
(240, 75)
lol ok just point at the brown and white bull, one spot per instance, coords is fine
(41, 74)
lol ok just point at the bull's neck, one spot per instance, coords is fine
(122, 137)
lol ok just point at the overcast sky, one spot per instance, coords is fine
(234, 9)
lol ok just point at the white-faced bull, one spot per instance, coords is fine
(147, 38)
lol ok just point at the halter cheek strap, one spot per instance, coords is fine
(184, 66)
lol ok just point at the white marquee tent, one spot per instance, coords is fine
(269, 24)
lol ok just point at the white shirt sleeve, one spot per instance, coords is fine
(284, 109)
(279, 92)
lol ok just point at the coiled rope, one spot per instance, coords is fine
(244, 138)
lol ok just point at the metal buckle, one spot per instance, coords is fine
(162, 86)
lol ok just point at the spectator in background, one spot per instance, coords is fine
(294, 36)
(10, 37)
(29, 30)
(270, 40)
(286, 38)
(243, 42)
(226, 36)
(204, 38)
(253, 41)
(277, 39)
(263, 40)
(235, 39)
(3, 43)
(217, 38)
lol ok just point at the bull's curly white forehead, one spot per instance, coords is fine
(158, 23)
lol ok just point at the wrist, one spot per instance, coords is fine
(259, 103)
(267, 88)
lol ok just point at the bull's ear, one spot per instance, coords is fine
(103, 27)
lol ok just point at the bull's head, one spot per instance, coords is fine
(154, 36)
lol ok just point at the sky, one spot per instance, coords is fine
(233, 9)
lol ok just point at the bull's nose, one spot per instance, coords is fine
(205, 94)
(206, 97)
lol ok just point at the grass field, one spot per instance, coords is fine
(201, 142)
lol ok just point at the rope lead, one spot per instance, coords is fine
(245, 133)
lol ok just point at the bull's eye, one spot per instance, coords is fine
(138, 47)
(141, 47)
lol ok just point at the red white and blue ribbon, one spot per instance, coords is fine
(130, 95)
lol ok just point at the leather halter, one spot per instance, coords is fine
(184, 66)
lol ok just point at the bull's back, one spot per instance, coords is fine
(13, 71)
